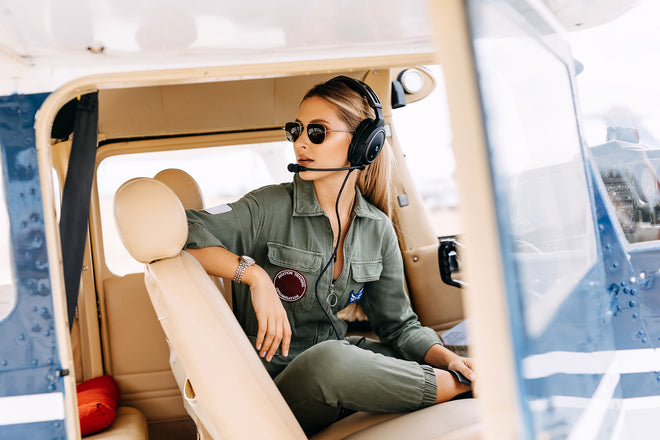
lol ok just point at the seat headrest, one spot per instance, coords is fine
(150, 218)
(184, 186)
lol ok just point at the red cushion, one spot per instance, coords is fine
(97, 403)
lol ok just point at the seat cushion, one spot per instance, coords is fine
(454, 420)
(129, 425)
(97, 403)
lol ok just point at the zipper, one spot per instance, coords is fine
(332, 297)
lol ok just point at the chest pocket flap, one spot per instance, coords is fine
(292, 258)
(366, 271)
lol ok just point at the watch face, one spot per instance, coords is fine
(249, 260)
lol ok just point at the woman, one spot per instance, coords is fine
(320, 243)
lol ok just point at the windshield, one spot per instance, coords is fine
(619, 97)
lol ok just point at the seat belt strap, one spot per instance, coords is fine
(76, 197)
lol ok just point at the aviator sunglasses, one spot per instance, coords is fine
(315, 132)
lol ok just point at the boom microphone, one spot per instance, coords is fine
(295, 168)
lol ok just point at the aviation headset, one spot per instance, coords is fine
(369, 135)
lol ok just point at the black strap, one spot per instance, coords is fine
(76, 195)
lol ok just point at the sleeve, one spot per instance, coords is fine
(235, 227)
(388, 308)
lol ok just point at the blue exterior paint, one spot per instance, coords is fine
(29, 359)
(40, 430)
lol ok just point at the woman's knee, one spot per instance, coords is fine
(319, 367)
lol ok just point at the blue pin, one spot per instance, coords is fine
(357, 296)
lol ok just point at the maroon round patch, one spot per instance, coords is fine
(290, 285)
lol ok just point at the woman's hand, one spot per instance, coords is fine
(274, 325)
(440, 357)
(464, 366)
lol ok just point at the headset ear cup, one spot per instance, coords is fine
(367, 142)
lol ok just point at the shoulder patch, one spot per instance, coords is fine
(220, 209)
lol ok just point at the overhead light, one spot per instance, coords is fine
(412, 80)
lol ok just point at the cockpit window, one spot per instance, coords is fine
(538, 172)
(619, 96)
(223, 174)
(7, 286)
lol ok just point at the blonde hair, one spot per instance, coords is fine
(352, 107)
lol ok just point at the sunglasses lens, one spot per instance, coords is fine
(292, 131)
(316, 133)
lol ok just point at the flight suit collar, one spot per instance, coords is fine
(305, 203)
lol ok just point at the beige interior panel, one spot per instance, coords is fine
(437, 304)
(136, 351)
(218, 106)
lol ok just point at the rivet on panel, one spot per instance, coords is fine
(415, 259)
(632, 303)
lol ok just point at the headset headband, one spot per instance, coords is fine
(364, 90)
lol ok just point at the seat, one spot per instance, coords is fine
(227, 390)
(187, 190)
(130, 424)
(184, 186)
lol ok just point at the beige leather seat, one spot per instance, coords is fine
(187, 190)
(130, 424)
(228, 391)
(184, 186)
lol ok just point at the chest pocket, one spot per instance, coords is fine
(366, 271)
(294, 273)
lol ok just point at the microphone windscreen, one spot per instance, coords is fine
(295, 168)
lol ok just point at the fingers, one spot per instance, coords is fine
(272, 341)
(273, 330)
(464, 366)
(466, 369)
(286, 338)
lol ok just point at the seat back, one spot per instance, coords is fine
(187, 190)
(184, 186)
(228, 392)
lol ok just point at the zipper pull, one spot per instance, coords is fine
(332, 298)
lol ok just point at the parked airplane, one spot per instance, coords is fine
(547, 276)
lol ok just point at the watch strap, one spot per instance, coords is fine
(243, 264)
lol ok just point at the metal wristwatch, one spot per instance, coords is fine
(243, 263)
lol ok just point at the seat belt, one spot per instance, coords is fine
(76, 196)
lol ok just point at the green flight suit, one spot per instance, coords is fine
(285, 230)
